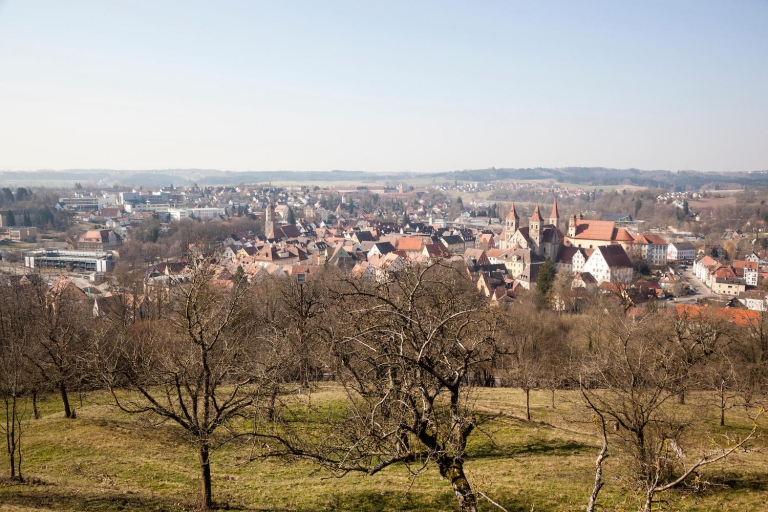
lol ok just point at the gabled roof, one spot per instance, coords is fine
(437, 251)
(567, 253)
(741, 264)
(683, 246)
(384, 247)
(655, 240)
(615, 256)
(410, 243)
(594, 229)
(364, 236)
(452, 239)
(585, 277)
(622, 235)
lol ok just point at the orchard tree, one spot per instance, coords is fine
(198, 364)
(407, 352)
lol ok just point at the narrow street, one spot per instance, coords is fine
(694, 282)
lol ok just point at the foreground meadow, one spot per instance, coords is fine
(106, 460)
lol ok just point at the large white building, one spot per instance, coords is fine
(681, 251)
(609, 263)
(195, 213)
(653, 248)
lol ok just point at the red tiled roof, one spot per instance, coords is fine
(738, 316)
(408, 243)
(655, 240)
(594, 229)
(745, 264)
(622, 235)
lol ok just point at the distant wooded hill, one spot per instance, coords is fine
(592, 176)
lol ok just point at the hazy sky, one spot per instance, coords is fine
(383, 86)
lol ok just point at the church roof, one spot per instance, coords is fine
(536, 215)
(512, 213)
(594, 229)
(555, 214)
(622, 235)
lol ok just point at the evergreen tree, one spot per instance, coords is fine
(291, 217)
(406, 219)
(545, 280)
(10, 219)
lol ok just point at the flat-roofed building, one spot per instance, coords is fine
(82, 261)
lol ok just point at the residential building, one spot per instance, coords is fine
(610, 263)
(652, 248)
(681, 251)
(99, 240)
(749, 270)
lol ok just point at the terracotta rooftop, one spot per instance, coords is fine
(594, 229)
(738, 316)
(409, 243)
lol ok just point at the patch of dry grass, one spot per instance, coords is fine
(107, 461)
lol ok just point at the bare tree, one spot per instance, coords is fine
(197, 366)
(406, 351)
(629, 377)
(749, 350)
(530, 346)
(16, 379)
(62, 319)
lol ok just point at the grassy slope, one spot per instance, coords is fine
(105, 460)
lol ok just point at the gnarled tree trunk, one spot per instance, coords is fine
(453, 469)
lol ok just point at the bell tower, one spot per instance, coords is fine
(572, 226)
(534, 226)
(554, 216)
(511, 224)
(269, 219)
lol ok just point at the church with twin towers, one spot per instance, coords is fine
(542, 238)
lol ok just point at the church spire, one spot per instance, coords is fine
(512, 213)
(534, 226)
(511, 224)
(554, 216)
(536, 217)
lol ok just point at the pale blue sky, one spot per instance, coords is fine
(384, 86)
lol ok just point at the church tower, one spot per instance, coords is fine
(269, 219)
(534, 226)
(572, 226)
(511, 225)
(554, 216)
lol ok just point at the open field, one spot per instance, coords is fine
(108, 461)
(712, 202)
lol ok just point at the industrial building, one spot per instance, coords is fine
(80, 261)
